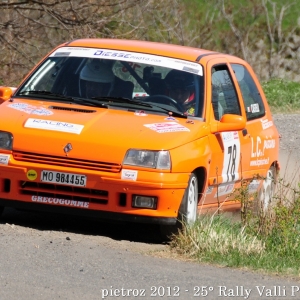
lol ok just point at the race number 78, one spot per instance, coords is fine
(231, 161)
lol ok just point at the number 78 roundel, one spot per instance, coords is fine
(232, 151)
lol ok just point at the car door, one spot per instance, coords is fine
(227, 147)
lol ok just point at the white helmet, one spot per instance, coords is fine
(100, 73)
(97, 70)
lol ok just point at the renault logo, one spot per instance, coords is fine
(68, 148)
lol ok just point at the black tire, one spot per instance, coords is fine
(1, 210)
(187, 211)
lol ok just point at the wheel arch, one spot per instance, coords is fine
(201, 175)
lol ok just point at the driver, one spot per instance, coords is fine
(97, 78)
(180, 87)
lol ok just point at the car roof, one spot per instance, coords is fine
(170, 50)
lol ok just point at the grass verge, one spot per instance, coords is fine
(283, 96)
(263, 240)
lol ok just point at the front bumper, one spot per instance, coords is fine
(106, 195)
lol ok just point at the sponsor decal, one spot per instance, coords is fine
(4, 158)
(166, 127)
(59, 201)
(129, 174)
(254, 108)
(209, 190)
(253, 186)
(31, 174)
(131, 57)
(140, 113)
(53, 125)
(266, 124)
(170, 119)
(224, 189)
(258, 147)
(139, 95)
(31, 109)
(259, 162)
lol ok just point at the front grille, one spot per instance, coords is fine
(63, 192)
(67, 162)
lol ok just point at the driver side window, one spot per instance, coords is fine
(224, 96)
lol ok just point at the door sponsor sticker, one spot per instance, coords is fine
(53, 125)
(224, 189)
(258, 148)
(266, 124)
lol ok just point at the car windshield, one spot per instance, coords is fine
(112, 76)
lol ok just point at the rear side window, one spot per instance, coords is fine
(252, 99)
(224, 96)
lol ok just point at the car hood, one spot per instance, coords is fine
(93, 133)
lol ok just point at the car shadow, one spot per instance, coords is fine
(117, 230)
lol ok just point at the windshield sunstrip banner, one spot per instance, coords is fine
(156, 60)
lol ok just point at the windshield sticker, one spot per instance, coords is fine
(53, 125)
(166, 127)
(58, 201)
(156, 60)
(4, 158)
(129, 174)
(139, 95)
(31, 109)
(253, 108)
(140, 113)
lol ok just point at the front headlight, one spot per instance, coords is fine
(6, 139)
(148, 159)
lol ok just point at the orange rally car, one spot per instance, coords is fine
(135, 130)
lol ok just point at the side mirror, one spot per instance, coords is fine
(230, 122)
(5, 93)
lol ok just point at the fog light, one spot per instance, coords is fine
(144, 202)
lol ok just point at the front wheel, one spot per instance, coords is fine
(188, 208)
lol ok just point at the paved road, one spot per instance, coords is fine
(46, 256)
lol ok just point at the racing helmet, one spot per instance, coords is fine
(97, 78)
(177, 79)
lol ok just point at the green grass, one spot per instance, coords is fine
(268, 241)
(282, 95)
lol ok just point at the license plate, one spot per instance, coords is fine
(63, 178)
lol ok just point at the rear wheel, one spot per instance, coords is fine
(188, 209)
(1, 210)
(266, 192)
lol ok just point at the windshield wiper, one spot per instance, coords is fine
(54, 96)
(46, 93)
(174, 113)
(141, 103)
(122, 100)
